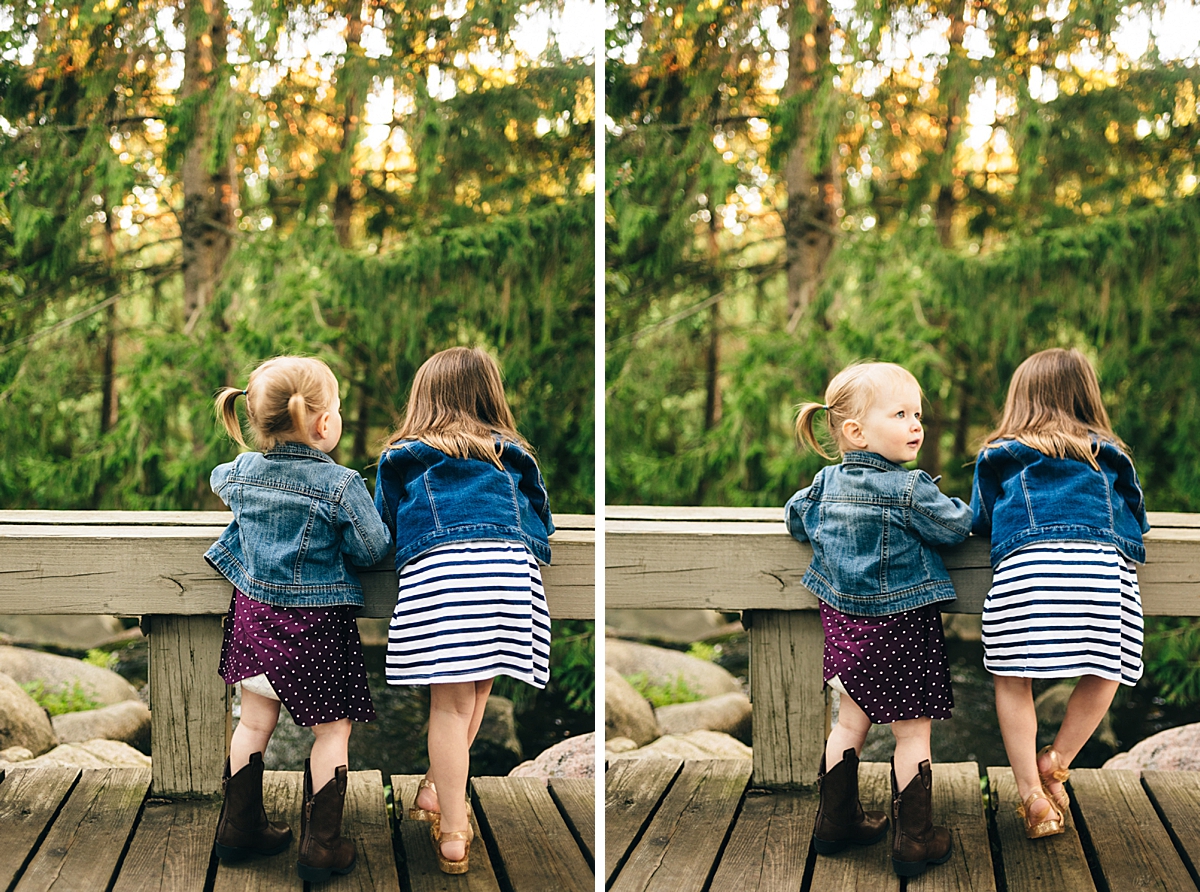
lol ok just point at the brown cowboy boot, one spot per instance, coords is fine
(323, 849)
(917, 843)
(841, 820)
(243, 830)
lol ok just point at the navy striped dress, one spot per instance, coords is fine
(1064, 609)
(469, 611)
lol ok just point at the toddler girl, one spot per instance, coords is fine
(460, 490)
(1056, 491)
(299, 521)
(874, 528)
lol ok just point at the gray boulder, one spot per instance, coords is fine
(666, 667)
(671, 626)
(573, 757)
(498, 731)
(626, 712)
(1176, 749)
(127, 721)
(90, 754)
(63, 631)
(728, 713)
(60, 674)
(22, 721)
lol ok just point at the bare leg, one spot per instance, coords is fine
(850, 731)
(451, 708)
(328, 751)
(255, 727)
(1089, 702)
(426, 798)
(912, 748)
(1018, 727)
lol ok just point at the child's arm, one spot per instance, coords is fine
(793, 517)
(219, 477)
(937, 518)
(532, 486)
(365, 538)
(1130, 489)
(383, 507)
(985, 489)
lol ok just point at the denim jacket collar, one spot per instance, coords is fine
(302, 450)
(871, 459)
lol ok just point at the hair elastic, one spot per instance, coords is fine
(244, 392)
(825, 406)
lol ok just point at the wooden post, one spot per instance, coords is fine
(791, 711)
(190, 719)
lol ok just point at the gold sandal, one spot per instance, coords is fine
(445, 865)
(1057, 774)
(1048, 826)
(423, 814)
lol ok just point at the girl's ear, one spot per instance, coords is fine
(852, 433)
(322, 425)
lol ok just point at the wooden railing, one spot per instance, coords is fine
(151, 564)
(743, 559)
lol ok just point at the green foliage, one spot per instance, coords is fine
(704, 651)
(73, 699)
(572, 670)
(1172, 658)
(676, 690)
(103, 658)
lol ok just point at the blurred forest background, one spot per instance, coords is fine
(947, 184)
(190, 187)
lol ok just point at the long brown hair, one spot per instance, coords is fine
(1054, 406)
(457, 406)
(850, 394)
(283, 396)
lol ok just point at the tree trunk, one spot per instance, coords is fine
(108, 362)
(209, 194)
(349, 85)
(951, 88)
(809, 223)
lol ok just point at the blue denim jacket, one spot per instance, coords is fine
(299, 520)
(874, 527)
(1021, 496)
(429, 499)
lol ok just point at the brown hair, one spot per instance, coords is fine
(457, 406)
(1054, 406)
(850, 394)
(283, 396)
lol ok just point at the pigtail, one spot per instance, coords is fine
(806, 428)
(297, 408)
(227, 412)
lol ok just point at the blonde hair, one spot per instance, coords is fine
(850, 394)
(457, 406)
(1054, 406)
(283, 397)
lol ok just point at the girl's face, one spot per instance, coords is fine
(891, 427)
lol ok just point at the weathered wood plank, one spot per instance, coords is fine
(758, 566)
(532, 842)
(87, 838)
(958, 806)
(1128, 840)
(680, 847)
(1176, 795)
(633, 789)
(576, 799)
(29, 800)
(219, 519)
(190, 721)
(418, 862)
(139, 570)
(172, 848)
(863, 868)
(283, 796)
(769, 846)
(791, 708)
(1050, 864)
(365, 820)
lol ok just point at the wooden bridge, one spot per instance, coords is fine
(138, 830)
(735, 825)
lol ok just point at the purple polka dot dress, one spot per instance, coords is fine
(311, 655)
(894, 667)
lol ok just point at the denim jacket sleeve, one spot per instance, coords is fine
(937, 518)
(365, 538)
(531, 485)
(218, 479)
(1129, 488)
(383, 508)
(793, 517)
(984, 491)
